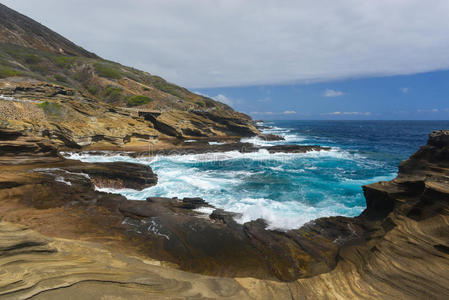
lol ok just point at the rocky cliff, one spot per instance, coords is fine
(51, 87)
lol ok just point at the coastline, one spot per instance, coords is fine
(378, 235)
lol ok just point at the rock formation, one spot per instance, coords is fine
(53, 88)
(396, 248)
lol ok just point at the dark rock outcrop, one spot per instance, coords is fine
(117, 175)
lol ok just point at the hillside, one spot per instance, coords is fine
(40, 65)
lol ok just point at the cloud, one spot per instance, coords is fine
(223, 99)
(347, 113)
(237, 43)
(432, 110)
(332, 93)
(404, 90)
(261, 113)
(289, 112)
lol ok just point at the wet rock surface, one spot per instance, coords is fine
(201, 147)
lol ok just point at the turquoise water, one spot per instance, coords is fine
(289, 190)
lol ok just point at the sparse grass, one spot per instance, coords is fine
(137, 100)
(40, 68)
(8, 72)
(167, 87)
(64, 62)
(107, 71)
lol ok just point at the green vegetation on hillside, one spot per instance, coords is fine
(8, 72)
(51, 108)
(137, 100)
(94, 76)
(113, 93)
(64, 62)
(108, 71)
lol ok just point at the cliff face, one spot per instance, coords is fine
(405, 252)
(83, 100)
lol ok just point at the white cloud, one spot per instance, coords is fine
(234, 42)
(432, 110)
(332, 93)
(222, 98)
(262, 113)
(289, 112)
(404, 90)
(347, 113)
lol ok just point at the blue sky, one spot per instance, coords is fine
(408, 97)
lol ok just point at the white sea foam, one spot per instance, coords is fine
(216, 143)
(185, 176)
(205, 210)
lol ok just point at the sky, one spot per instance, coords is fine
(336, 59)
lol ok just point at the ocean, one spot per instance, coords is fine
(288, 190)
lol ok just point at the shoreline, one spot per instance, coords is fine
(161, 228)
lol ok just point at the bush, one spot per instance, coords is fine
(60, 78)
(82, 76)
(93, 89)
(107, 71)
(32, 59)
(8, 72)
(138, 100)
(113, 93)
(51, 108)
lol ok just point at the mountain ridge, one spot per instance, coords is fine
(41, 37)
(81, 88)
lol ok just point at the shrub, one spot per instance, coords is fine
(8, 72)
(51, 108)
(82, 76)
(60, 78)
(32, 59)
(113, 93)
(107, 71)
(93, 89)
(138, 100)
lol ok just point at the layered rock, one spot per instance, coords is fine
(396, 248)
(70, 119)
(404, 253)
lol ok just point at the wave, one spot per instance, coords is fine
(250, 183)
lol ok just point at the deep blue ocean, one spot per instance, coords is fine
(289, 190)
